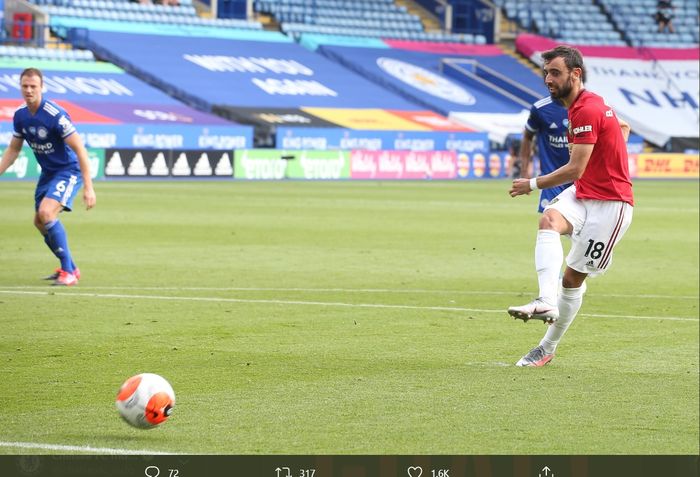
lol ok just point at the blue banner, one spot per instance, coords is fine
(246, 73)
(156, 136)
(417, 75)
(348, 139)
(110, 87)
(99, 93)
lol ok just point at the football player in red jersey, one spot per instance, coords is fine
(595, 211)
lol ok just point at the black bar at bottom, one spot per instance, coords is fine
(347, 466)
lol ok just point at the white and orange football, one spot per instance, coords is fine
(145, 400)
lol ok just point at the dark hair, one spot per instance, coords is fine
(572, 58)
(32, 72)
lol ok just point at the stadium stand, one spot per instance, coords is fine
(636, 19)
(32, 53)
(605, 22)
(570, 21)
(126, 11)
(365, 18)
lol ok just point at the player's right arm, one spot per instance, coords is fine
(11, 153)
(571, 171)
(525, 153)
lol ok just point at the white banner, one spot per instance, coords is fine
(659, 99)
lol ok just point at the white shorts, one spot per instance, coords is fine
(598, 225)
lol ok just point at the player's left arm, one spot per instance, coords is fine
(76, 143)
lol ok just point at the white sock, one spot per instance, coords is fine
(549, 257)
(570, 300)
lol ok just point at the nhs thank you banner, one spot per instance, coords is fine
(658, 98)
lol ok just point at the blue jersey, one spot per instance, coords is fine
(45, 133)
(549, 121)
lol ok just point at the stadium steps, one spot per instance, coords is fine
(203, 10)
(268, 21)
(508, 29)
(430, 22)
(508, 50)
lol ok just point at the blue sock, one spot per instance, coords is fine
(57, 239)
(47, 241)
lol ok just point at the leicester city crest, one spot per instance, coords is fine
(426, 81)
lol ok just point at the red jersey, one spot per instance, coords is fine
(607, 176)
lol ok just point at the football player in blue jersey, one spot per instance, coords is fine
(60, 152)
(548, 121)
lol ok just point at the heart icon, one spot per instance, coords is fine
(415, 471)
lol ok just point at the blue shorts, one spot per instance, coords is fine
(61, 186)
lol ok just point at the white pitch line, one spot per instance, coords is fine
(310, 303)
(348, 290)
(86, 449)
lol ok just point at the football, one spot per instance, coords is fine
(145, 400)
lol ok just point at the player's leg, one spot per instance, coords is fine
(47, 184)
(562, 216)
(590, 254)
(47, 240)
(54, 196)
(549, 257)
(549, 254)
(569, 303)
(42, 188)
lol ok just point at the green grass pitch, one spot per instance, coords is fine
(343, 318)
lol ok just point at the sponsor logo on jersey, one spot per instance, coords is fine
(582, 129)
(557, 141)
(41, 148)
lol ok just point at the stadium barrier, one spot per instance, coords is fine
(162, 137)
(364, 164)
(331, 164)
(26, 166)
(168, 163)
(664, 166)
